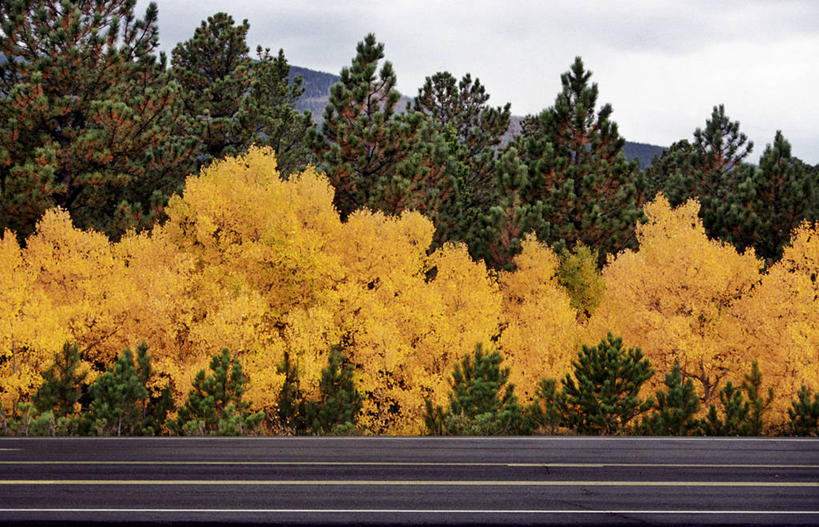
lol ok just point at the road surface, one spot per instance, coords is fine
(343, 481)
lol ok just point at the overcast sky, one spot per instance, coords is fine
(662, 65)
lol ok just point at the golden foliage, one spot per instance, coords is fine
(264, 266)
(30, 330)
(779, 321)
(541, 334)
(673, 297)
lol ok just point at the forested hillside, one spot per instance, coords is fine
(184, 251)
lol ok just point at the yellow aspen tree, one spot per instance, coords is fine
(540, 333)
(470, 312)
(673, 298)
(404, 317)
(162, 309)
(30, 330)
(242, 222)
(259, 245)
(382, 303)
(779, 322)
(78, 272)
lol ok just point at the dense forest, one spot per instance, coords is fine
(406, 266)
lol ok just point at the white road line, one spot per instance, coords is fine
(414, 511)
(409, 464)
(410, 483)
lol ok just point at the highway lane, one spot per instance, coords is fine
(572, 481)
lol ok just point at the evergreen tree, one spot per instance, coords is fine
(116, 394)
(735, 419)
(705, 168)
(215, 73)
(576, 169)
(603, 395)
(270, 114)
(740, 416)
(758, 404)
(501, 229)
(472, 130)
(803, 415)
(122, 403)
(214, 404)
(339, 402)
(769, 203)
(740, 204)
(292, 406)
(547, 411)
(675, 409)
(62, 383)
(87, 116)
(462, 105)
(481, 401)
(232, 101)
(364, 146)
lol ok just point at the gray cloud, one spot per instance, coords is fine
(662, 64)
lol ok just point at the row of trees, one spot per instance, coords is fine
(121, 402)
(281, 280)
(602, 395)
(93, 120)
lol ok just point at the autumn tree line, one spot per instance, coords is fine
(394, 270)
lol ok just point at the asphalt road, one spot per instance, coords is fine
(344, 481)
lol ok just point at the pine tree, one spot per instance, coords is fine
(675, 410)
(62, 383)
(547, 411)
(472, 131)
(741, 204)
(291, 408)
(500, 230)
(758, 404)
(603, 395)
(214, 404)
(803, 415)
(576, 167)
(123, 404)
(740, 416)
(339, 402)
(87, 116)
(363, 142)
(481, 402)
(769, 203)
(703, 168)
(269, 112)
(117, 397)
(735, 419)
(215, 73)
(462, 105)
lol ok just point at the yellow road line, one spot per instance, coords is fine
(410, 464)
(468, 483)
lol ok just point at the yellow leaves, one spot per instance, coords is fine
(30, 330)
(541, 333)
(780, 319)
(264, 267)
(674, 297)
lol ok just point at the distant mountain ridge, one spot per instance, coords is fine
(317, 93)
